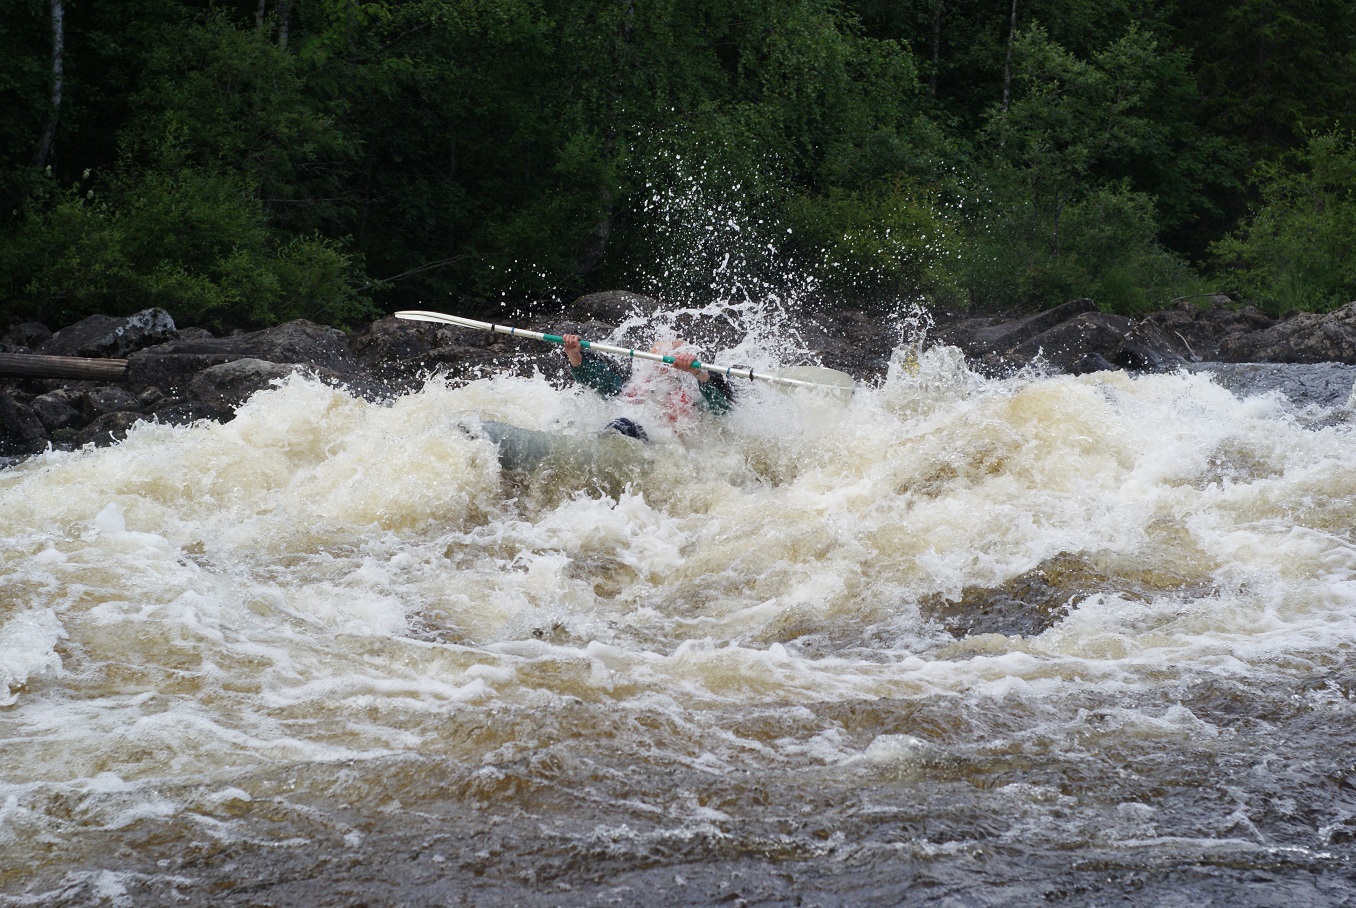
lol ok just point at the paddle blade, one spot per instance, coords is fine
(839, 384)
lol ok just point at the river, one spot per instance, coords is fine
(959, 641)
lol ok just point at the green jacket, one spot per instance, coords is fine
(607, 380)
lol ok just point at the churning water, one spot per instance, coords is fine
(959, 641)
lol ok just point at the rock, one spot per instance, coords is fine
(1074, 337)
(1200, 330)
(297, 341)
(170, 372)
(172, 367)
(24, 337)
(1309, 337)
(149, 397)
(187, 412)
(21, 432)
(103, 335)
(1025, 606)
(1326, 385)
(55, 411)
(612, 306)
(401, 352)
(231, 384)
(107, 429)
(99, 401)
(979, 337)
(851, 341)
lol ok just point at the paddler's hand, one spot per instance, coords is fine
(573, 351)
(684, 362)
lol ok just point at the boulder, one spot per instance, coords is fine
(170, 372)
(108, 336)
(231, 384)
(56, 411)
(851, 341)
(1086, 341)
(297, 341)
(107, 429)
(176, 412)
(612, 306)
(1325, 385)
(21, 432)
(400, 352)
(1200, 330)
(111, 399)
(24, 337)
(1074, 337)
(981, 337)
(1309, 337)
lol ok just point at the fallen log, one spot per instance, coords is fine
(34, 365)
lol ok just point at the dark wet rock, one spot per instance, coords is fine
(1326, 385)
(612, 306)
(56, 411)
(21, 432)
(1201, 330)
(1074, 337)
(111, 399)
(170, 372)
(297, 341)
(1122, 342)
(978, 337)
(149, 397)
(402, 352)
(1036, 600)
(231, 384)
(393, 339)
(107, 429)
(851, 341)
(186, 412)
(1309, 337)
(108, 336)
(24, 337)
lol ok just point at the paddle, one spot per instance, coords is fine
(816, 377)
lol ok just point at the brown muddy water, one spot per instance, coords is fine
(1039, 641)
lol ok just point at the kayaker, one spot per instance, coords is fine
(650, 388)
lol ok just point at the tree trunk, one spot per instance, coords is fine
(285, 16)
(33, 365)
(595, 248)
(936, 48)
(1007, 63)
(48, 141)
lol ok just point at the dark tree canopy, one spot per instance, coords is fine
(241, 163)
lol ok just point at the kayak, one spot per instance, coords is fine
(610, 454)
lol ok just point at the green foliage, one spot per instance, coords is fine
(193, 242)
(1051, 224)
(1272, 71)
(1102, 245)
(879, 246)
(1297, 251)
(465, 151)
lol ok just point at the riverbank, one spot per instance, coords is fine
(181, 376)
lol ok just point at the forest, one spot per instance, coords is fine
(245, 163)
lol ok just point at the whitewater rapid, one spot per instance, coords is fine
(233, 653)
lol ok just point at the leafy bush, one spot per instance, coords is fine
(194, 242)
(876, 246)
(1102, 245)
(1298, 248)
